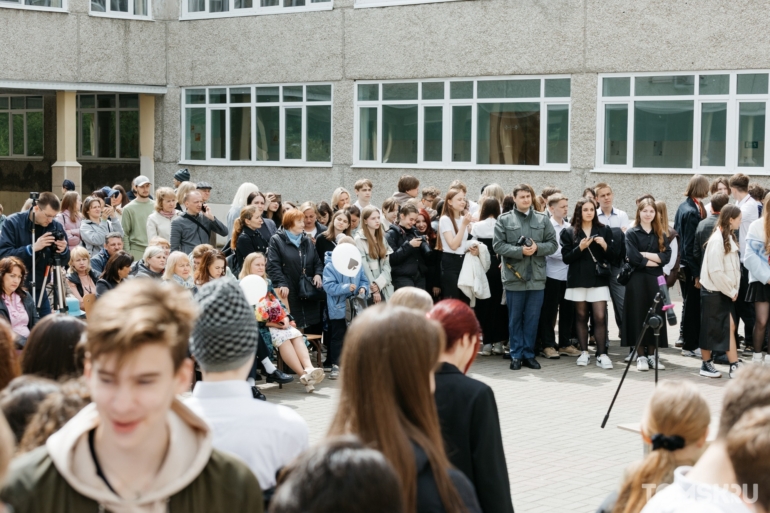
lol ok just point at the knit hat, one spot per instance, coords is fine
(69, 185)
(183, 175)
(225, 334)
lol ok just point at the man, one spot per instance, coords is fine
(136, 447)
(112, 244)
(50, 241)
(707, 485)
(67, 186)
(408, 188)
(748, 445)
(195, 226)
(363, 188)
(134, 220)
(555, 289)
(739, 187)
(523, 238)
(614, 218)
(183, 175)
(205, 189)
(428, 195)
(224, 343)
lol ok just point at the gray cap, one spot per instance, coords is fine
(203, 185)
(225, 334)
(141, 180)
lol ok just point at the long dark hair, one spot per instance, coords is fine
(727, 214)
(276, 216)
(6, 266)
(577, 216)
(118, 261)
(490, 208)
(123, 196)
(50, 348)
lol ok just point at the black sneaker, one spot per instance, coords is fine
(734, 367)
(707, 370)
(721, 359)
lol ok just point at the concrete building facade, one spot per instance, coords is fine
(301, 99)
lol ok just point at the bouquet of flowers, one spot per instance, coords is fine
(270, 310)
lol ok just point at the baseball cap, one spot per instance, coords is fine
(141, 180)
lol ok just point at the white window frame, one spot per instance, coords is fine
(448, 103)
(109, 13)
(255, 10)
(11, 112)
(94, 110)
(283, 105)
(366, 4)
(20, 5)
(732, 99)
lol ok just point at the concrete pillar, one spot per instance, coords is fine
(147, 136)
(66, 166)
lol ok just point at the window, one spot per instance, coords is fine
(21, 126)
(484, 123)
(198, 9)
(39, 5)
(108, 126)
(388, 3)
(259, 125)
(121, 8)
(711, 122)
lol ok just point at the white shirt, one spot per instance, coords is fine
(750, 213)
(265, 436)
(674, 253)
(312, 233)
(445, 225)
(555, 268)
(687, 496)
(616, 219)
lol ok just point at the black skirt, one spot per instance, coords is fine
(758, 293)
(640, 294)
(451, 265)
(715, 312)
(492, 315)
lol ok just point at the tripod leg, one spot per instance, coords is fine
(42, 289)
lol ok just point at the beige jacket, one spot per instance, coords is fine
(720, 272)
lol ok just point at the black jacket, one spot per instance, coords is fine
(29, 306)
(582, 269)
(686, 221)
(702, 234)
(250, 241)
(428, 498)
(284, 266)
(638, 241)
(470, 427)
(322, 245)
(103, 286)
(406, 260)
(616, 252)
(75, 279)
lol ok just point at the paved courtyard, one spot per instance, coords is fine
(559, 458)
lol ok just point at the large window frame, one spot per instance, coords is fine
(35, 5)
(729, 102)
(460, 106)
(18, 113)
(221, 113)
(111, 11)
(121, 107)
(232, 8)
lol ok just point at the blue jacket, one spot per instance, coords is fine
(337, 287)
(16, 241)
(99, 261)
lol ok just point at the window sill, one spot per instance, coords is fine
(10, 5)
(247, 163)
(240, 13)
(760, 171)
(385, 3)
(22, 158)
(463, 167)
(119, 16)
(96, 160)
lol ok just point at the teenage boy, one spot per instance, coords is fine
(136, 447)
(739, 187)
(408, 188)
(134, 219)
(429, 194)
(748, 445)
(363, 188)
(224, 343)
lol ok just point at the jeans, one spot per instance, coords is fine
(553, 304)
(523, 316)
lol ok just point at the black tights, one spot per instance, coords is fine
(762, 312)
(598, 309)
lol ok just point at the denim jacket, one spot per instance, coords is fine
(337, 287)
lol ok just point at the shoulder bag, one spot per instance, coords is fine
(624, 276)
(307, 289)
(601, 269)
(191, 218)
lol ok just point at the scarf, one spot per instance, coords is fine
(294, 239)
(189, 283)
(170, 215)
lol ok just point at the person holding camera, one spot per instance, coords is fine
(195, 226)
(523, 238)
(98, 224)
(50, 241)
(407, 262)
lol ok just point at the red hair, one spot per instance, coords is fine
(429, 231)
(458, 320)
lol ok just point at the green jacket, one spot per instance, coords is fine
(521, 273)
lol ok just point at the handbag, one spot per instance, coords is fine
(354, 306)
(624, 276)
(601, 269)
(307, 289)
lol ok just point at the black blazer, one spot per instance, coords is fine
(428, 498)
(322, 245)
(29, 306)
(582, 269)
(470, 427)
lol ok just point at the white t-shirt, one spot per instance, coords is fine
(686, 496)
(555, 268)
(749, 213)
(312, 233)
(445, 225)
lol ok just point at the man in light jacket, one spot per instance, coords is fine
(195, 226)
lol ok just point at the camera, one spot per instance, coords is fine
(58, 235)
(524, 241)
(34, 196)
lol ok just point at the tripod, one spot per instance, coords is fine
(654, 321)
(33, 196)
(58, 277)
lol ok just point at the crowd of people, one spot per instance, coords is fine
(153, 309)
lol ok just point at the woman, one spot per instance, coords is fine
(585, 248)
(508, 203)
(9, 361)
(675, 425)
(467, 410)
(757, 261)
(389, 213)
(407, 263)
(71, 218)
(260, 201)
(671, 270)
(152, 264)
(384, 367)
(250, 235)
(159, 222)
(81, 279)
(274, 210)
(17, 305)
(283, 335)
(453, 228)
(50, 350)
(324, 213)
(291, 258)
(340, 199)
(182, 191)
(327, 241)
(370, 241)
(311, 226)
(720, 280)
(490, 312)
(119, 201)
(97, 225)
(425, 229)
(648, 251)
(239, 201)
(117, 269)
(179, 271)
(212, 266)
(589, 193)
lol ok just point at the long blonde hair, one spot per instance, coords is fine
(676, 409)
(377, 247)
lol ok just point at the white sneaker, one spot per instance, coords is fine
(692, 354)
(630, 356)
(757, 358)
(651, 361)
(497, 348)
(584, 359)
(335, 373)
(642, 364)
(486, 350)
(767, 359)
(604, 362)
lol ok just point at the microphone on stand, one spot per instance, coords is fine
(667, 306)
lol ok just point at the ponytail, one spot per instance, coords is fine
(237, 229)
(247, 212)
(656, 468)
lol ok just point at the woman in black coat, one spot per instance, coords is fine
(291, 252)
(407, 262)
(327, 241)
(467, 411)
(586, 247)
(117, 269)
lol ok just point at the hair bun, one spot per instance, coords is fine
(669, 443)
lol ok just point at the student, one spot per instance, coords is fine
(757, 263)
(412, 298)
(223, 343)
(327, 241)
(389, 213)
(748, 446)
(429, 195)
(117, 269)
(274, 208)
(324, 213)
(407, 263)
(355, 218)
(248, 237)
(739, 187)
(9, 356)
(212, 267)
(370, 241)
(363, 190)
(136, 447)
(51, 350)
(424, 228)
(454, 227)
(6, 453)
(408, 188)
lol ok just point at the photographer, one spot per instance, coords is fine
(195, 226)
(50, 240)
(407, 262)
(523, 238)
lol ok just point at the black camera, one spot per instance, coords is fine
(58, 235)
(524, 241)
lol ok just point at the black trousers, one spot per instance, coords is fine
(337, 329)
(745, 311)
(690, 311)
(451, 265)
(554, 304)
(400, 282)
(262, 353)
